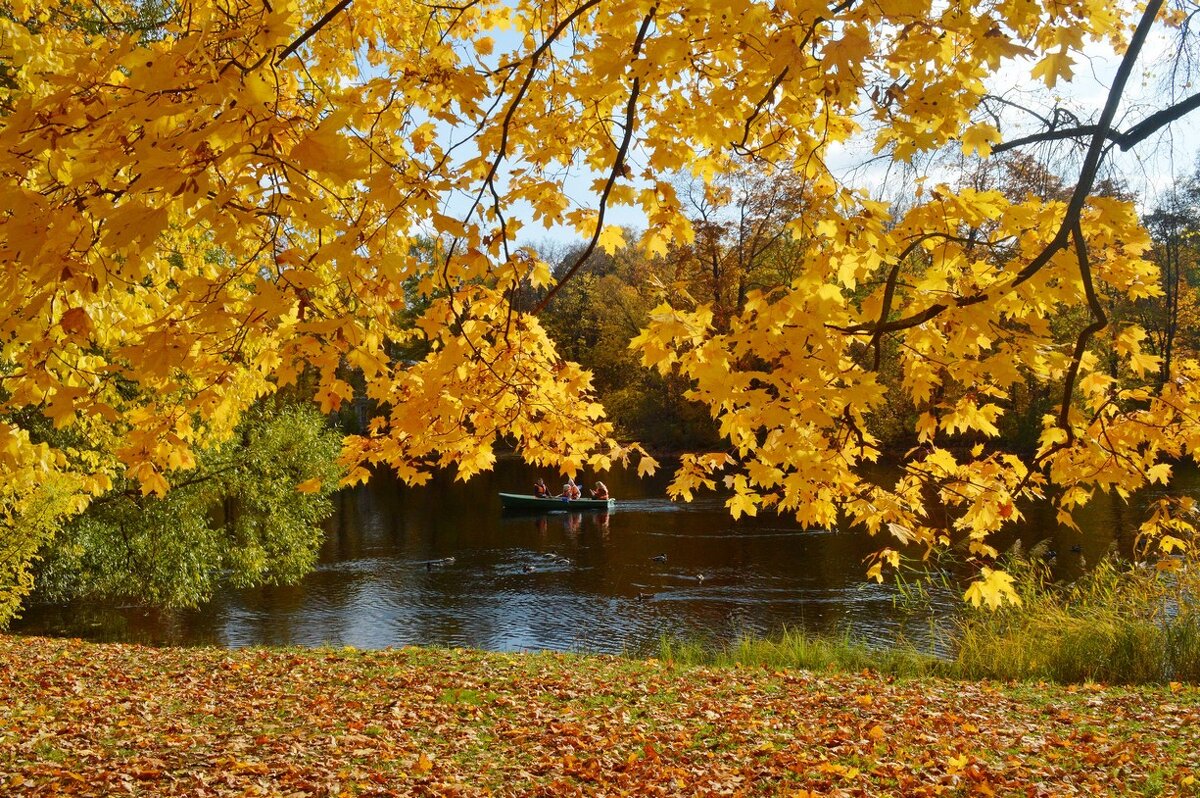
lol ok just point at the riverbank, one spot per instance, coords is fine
(88, 719)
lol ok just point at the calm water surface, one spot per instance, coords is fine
(565, 581)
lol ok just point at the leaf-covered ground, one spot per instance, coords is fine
(86, 719)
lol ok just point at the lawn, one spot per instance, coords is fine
(86, 719)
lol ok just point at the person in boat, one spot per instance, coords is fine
(600, 491)
(570, 490)
(540, 490)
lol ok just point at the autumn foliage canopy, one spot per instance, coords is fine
(205, 201)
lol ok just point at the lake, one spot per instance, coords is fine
(573, 581)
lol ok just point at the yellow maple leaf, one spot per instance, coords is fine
(993, 589)
(1160, 472)
(1142, 363)
(611, 238)
(1054, 66)
(980, 138)
(742, 504)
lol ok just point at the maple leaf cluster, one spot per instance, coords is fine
(207, 202)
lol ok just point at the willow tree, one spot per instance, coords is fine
(204, 199)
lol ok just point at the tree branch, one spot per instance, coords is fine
(758, 106)
(617, 168)
(320, 23)
(1052, 135)
(1083, 187)
(750, 119)
(1126, 141)
(1099, 322)
(889, 290)
(1156, 121)
(1018, 106)
(510, 112)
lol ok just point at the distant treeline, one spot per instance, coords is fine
(747, 238)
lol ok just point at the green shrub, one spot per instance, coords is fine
(237, 519)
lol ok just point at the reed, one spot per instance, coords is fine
(1117, 624)
(794, 648)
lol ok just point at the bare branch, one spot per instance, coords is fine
(1054, 135)
(1158, 120)
(1019, 107)
(1126, 141)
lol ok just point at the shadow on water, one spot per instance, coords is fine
(443, 565)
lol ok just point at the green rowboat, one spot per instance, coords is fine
(521, 501)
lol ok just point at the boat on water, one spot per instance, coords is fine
(523, 501)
